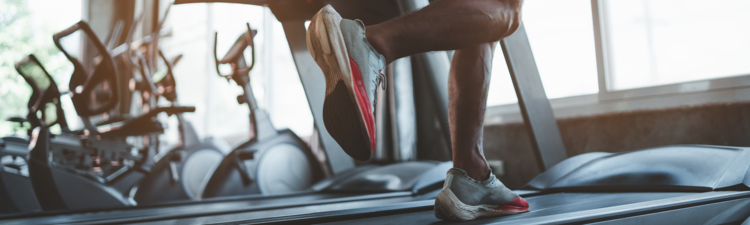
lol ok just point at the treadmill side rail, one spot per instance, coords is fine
(535, 107)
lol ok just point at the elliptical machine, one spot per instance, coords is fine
(16, 193)
(181, 172)
(271, 162)
(63, 168)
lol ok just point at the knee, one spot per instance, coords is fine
(506, 19)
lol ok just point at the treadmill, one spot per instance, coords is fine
(681, 184)
(686, 184)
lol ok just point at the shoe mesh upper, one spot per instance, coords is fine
(473, 192)
(370, 62)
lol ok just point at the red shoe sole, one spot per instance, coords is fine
(347, 114)
(517, 205)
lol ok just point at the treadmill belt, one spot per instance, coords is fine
(562, 208)
(549, 208)
(257, 208)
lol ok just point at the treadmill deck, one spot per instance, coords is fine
(555, 208)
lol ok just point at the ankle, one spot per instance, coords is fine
(378, 42)
(475, 170)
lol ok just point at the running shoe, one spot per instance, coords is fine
(352, 70)
(464, 198)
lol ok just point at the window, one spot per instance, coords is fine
(630, 55)
(275, 83)
(26, 27)
(656, 42)
(562, 40)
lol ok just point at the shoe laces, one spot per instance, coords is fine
(382, 81)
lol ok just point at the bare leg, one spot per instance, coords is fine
(467, 90)
(471, 27)
(446, 25)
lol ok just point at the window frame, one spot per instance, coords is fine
(706, 91)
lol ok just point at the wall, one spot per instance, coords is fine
(714, 124)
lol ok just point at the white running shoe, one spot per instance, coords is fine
(352, 69)
(464, 198)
